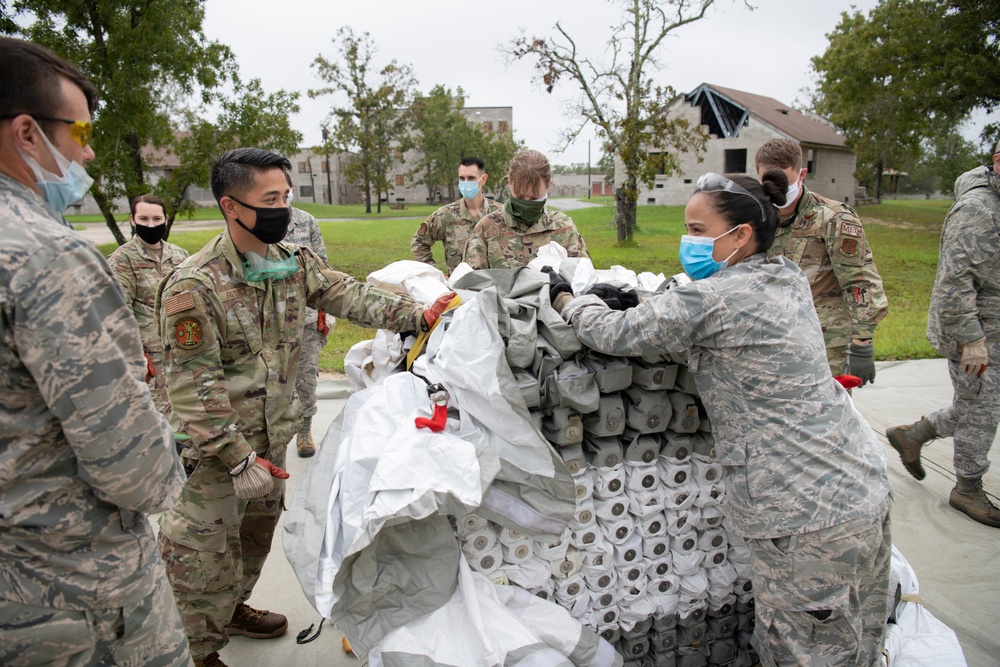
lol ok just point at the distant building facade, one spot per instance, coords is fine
(738, 124)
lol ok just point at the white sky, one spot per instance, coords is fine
(765, 51)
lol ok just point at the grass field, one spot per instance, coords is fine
(321, 211)
(903, 234)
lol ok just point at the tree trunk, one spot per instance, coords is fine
(878, 183)
(109, 216)
(625, 208)
(368, 196)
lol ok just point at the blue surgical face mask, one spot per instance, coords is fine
(59, 191)
(469, 189)
(696, 255)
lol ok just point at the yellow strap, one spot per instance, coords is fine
(911, 597)
(422, 337)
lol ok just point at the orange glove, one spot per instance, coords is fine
(271, 468)
(150, 371)
(322, 326)
(433, 314)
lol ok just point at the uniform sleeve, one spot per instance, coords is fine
(854, 268)
(78, 339)
(316, 238)
(342, 296)
(969, 246)
(189, 321)
(430, 230)
(475, 251)
(577, 247)
(664, 323)
(125, 275)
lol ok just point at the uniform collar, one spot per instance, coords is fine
(230, 252)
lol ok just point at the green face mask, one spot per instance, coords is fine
(257, 268)
(526, 210)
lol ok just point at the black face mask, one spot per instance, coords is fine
(272, 223)
(151, 235)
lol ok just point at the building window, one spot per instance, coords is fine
(488, 125)
(811, 162)
(400, 180)
(502, 126)
(324, 166)
(305, 190)
(736, 161)
(304, 168)
(397, 154)
(660, 160)
(688, 181)
(659, 186)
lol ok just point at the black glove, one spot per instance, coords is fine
(615, 298)
(861, 362)
(557, 284)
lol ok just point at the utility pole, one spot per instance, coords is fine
(329, 183)
(589, 186)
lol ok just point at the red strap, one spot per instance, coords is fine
(435, 423)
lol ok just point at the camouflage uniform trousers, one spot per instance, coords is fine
(305, 382)
(147, 633)
(972, 417)
(209, 581)
(158, 384)
(822, 597)
(837, 358)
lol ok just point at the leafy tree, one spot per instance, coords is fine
(442, 135)
(132, 52)
(619, 98)
(373, 122)
(890, 80)
(250, 117)
(945, 157)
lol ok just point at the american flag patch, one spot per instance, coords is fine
(179, 303)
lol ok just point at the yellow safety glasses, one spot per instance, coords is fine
(80, 130)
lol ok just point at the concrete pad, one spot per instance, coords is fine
(954, 557)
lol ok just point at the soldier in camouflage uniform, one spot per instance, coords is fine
(453, 223)
(304, 231)
(139, 265)
(232, 318)
(806, 476)
(825, 239)
(511, 237)
(83, 452)
(963, 324)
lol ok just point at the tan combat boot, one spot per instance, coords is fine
(306, 446)
(968, 496)
(256, 623)
(907, 440)
(210, 660)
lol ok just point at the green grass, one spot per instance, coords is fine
(321, 211)
(903, 234)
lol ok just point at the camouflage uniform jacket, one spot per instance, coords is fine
(304, 231)
(965, 303)
(232, 345)
(827, 241)
(83, 452)
(798, 457)
(452, 225)
(501, 242)
(139, 273)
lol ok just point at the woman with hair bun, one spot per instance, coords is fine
(806, 475)
(511, 237)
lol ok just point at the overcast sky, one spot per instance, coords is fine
(766, 51)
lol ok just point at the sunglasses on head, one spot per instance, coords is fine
(712, 182)
(80, 130)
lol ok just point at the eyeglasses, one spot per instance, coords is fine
(81, 130)
(712, 182)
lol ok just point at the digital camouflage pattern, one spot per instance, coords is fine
(452, 224)
(304, 231)
(798, 457)
(84, 454)
(965, 306)
(822, 598)
(139, 272)
(501, 242)
(827, 241)
(231, 355)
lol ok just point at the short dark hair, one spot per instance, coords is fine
(147, 199)
(473, 161)
(781, 153)
(30, 80)
(738, 209)
(233, 172)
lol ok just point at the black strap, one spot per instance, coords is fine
(304, 638)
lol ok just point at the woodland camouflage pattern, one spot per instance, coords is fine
(139, 272)
(965, 306)
(452, 224)
(827, 241)
(84, 454)
(501, 242)
(231, 357)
